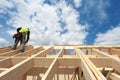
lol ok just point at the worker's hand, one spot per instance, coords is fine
(13, 37)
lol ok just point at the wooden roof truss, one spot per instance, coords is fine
(70, 62)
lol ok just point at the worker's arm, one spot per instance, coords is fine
(16, 35)
(28, 36)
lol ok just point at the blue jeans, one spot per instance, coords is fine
(22, 43)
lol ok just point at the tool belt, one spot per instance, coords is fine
(18, 36)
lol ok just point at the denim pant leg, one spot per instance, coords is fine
(22, 44)
(15, 44)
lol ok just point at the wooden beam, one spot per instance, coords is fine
(14, 52)
(18, 69)
(5, 49)
(16, 60)
(116, 65)
(93, 68)
(1, 58)
(43, 54)
(115, 52)
(5, 63)
(69, 61)
(114, 76)
(106, 69)
(53, 67)
(81, 46)
(11, 53)
(98, 53)
(3, 69)
(116, 61)
(34, 71)
(30, 52)
(41, 61)
(61, 61)
(86, 70)
(102, 62)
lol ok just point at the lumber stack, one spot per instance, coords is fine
(61, 62)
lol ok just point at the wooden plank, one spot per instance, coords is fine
(5, 63)
(102, 62)
(18, 69)
(4, 68)
(116, 65)
(92, 67)
(34, 71)
(30, 52)
(98, 53)
(114, 76)
(97, 73)
(23, 77)
(14, 52)
(70, 56)
(43, 54)
(10, 66)
(5, 49)
(16, 60)
(116, 61)
(62, 61)
(10, 53)
(65, 70)
(86, 70)
(82, 46)
(115, 52)
(42, 61)
(106, 69)
(69, 61)
(53, 67)
(1, 58)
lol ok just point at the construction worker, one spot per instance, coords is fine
(21, 36)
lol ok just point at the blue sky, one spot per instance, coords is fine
(56, 22)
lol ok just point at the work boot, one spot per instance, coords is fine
(21, 50)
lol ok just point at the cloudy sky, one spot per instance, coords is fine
(58, 22)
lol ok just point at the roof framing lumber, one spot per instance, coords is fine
(102, 62)
(85, 68)
(115, 52)
(53, 67)
(61, 62)
(115, 61)
(114, 76)
(30, 52)
(5, 49)
(20, 68)
(14, 52)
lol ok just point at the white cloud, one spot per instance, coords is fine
(3, 42)
(111, 37)
(44, 22)
(1, 26)
(77, 3)
(11, 32)
(4, 4)
(95, 10)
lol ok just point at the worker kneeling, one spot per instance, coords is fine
(20, 36)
